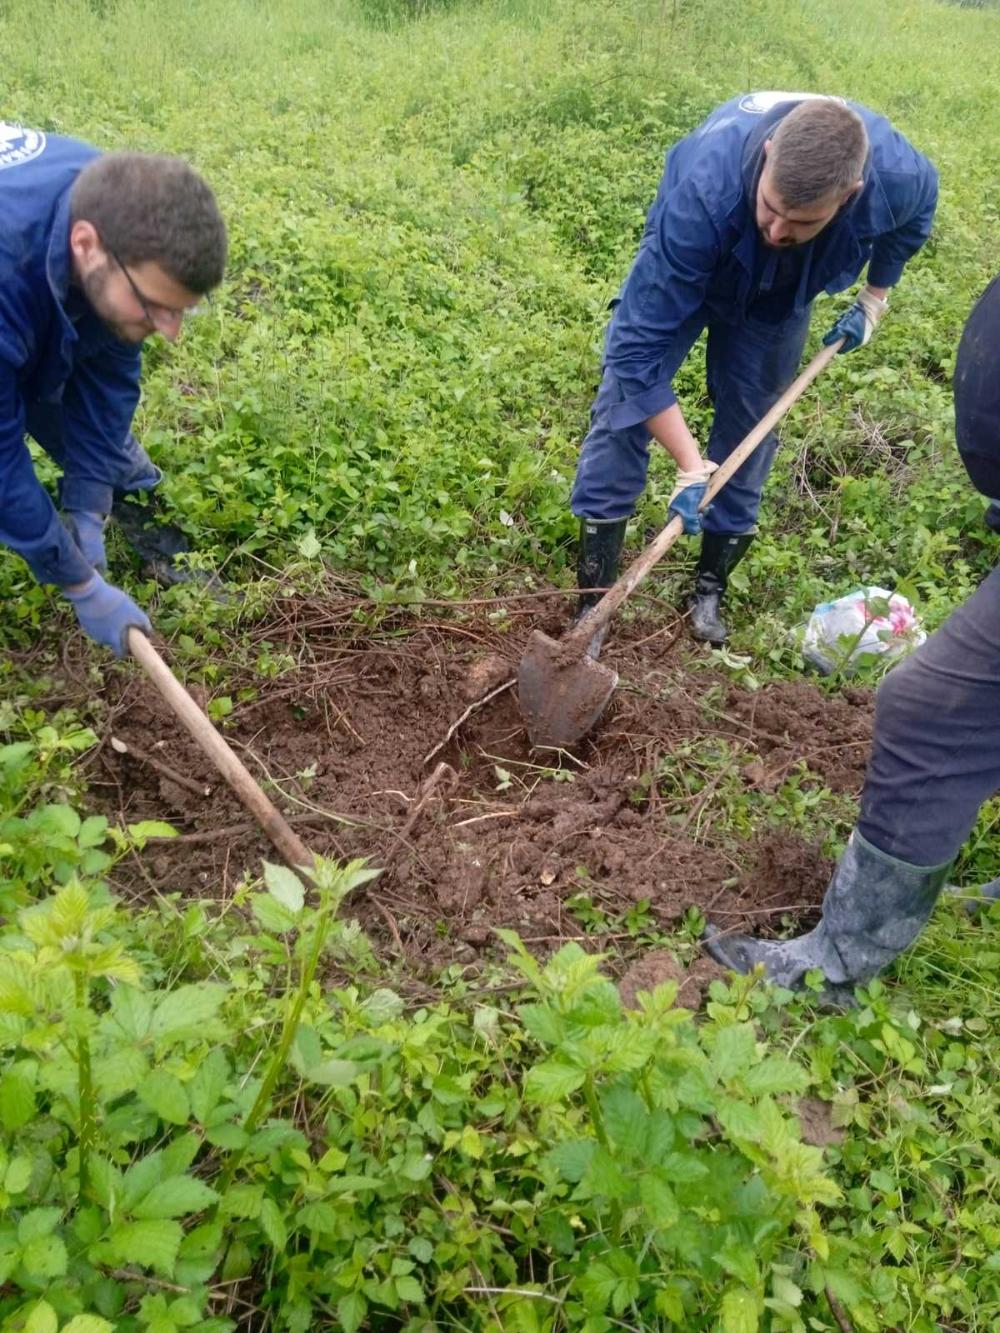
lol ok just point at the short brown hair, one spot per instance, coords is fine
(819, 149)
(150, 208)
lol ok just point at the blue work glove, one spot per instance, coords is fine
(87, 530)
(687, 495)
(107, 614)
(857, 324)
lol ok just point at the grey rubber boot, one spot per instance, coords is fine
(875, 907)
(721, 552)
(974, 900)
(597, 567)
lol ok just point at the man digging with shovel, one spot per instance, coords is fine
(773, 199)
(96, 254)
(935, 750)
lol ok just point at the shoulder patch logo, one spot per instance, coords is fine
(19, 145)
(759, 103)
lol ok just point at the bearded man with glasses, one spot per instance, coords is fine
(97, 253)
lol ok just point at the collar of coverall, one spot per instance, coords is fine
(57, 261)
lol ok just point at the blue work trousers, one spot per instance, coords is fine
(936, 749)
(127, 469)
(749, 365)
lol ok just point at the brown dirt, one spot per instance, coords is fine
(658, 966)
(816, 1123)
(485, 833)
(793, 721)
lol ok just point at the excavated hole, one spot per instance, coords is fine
(487, 832)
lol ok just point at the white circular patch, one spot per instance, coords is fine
(18, 145)
(758, 103)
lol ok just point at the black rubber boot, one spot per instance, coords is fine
(157, 543)
(597, 567)
(721, 552)
(597, 560)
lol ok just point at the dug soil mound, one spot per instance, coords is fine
(406, 746)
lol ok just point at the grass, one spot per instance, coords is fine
(430, 206)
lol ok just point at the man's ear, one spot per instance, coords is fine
(85, 246)
(856, 188)
(767, 146)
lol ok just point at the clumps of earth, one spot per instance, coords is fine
(406, 746)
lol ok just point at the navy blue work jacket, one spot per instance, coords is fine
(977, 393)
(701, 256)
(53, 349)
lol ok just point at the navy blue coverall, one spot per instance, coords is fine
(936, 746)
(701, 264)
(65, 379)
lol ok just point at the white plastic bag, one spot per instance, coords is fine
(868, 622)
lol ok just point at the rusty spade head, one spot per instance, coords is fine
(561, 693)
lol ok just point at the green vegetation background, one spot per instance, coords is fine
(429, 218)
(431, 205)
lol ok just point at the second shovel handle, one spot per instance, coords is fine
(770, 419)
(601, 613)
(288, 843)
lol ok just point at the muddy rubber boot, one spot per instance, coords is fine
(721, 552)
(974, 900)
(875, 907)
(597, 567)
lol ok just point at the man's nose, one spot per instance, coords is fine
(170, 324)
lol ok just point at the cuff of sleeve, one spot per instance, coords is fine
(641, 406)
(54, 557)
(80, 493)
(884, 273)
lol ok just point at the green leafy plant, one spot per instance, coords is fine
(430, 206)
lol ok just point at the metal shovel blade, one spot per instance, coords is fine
(561, 699)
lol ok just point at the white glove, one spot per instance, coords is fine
(687, 495)
(697, 476)
(857, 324)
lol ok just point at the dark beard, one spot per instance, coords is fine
(94, 287)
(780, 245)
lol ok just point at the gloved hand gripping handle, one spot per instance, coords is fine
(575, 643)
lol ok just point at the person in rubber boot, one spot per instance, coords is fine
(935, 750)
(97, 252)
(773, 199)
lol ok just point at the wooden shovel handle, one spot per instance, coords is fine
(289, 844)
(601, 613)
(767, 423)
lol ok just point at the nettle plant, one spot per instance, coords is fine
(119, 1103)
(171, 1155)
(677, 1191)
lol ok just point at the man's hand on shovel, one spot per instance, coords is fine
(857, 324)
(561, 690)
(106, 613)
(687, 495)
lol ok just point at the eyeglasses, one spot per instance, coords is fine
(155, 312)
